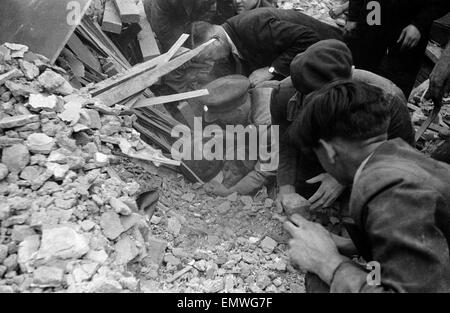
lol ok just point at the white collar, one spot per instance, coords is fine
(361, 168)
(234, 50)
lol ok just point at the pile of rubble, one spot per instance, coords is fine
(318, 9)
(69, 218)
(67, 221)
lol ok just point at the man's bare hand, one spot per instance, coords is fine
(293, 203)
(312, 248)
(350, 27)
(440, 77)
(409, 38)
(217, 189)
(260, 76)
(328, 192)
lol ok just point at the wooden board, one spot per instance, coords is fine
(146, 37)
(171, 98)
(83, 53)
(111, 18)
(147, 79)
(128, 11)
(39, 24)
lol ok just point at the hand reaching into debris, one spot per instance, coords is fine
(338, 10)
(292, 203)
(440, 77)
(350, 28)
(260, 76)
(217, 189)
(328, 192)
(409, 38)
(312, 248)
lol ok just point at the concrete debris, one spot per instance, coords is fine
(16, 158)
(69, 221)
(268, 244)
(18, 120)
(3, 171)
(111, 225)
(46, 276)
(61, 243)
(39, 143)
(41, 102)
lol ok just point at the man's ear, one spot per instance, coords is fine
(329, 150)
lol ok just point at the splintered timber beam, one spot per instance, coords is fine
(138, 69)
(146, 37)
(147, 79)
(111, 18)
(128, 10)
(172, 98)
(176, 46)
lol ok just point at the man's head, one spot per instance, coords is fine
(324, 62)
(202, 32)
(228, 101)
(341, 123)
(246, 5)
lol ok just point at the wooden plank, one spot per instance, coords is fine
(146, 37)
(187, 112)
(94, 34)
(176, 46)
(147, 79)
(171, 98)
(138, 69)
(128, 11)
(111, 18)
(83, 53)
(44, 26)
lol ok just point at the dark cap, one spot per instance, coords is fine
(324, 62)
(226, 94)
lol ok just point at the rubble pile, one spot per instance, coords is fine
(212, 244)
(68, 212)
(67, 221)
(315, 8)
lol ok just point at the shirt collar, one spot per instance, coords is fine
(361, 168)
(234, 50)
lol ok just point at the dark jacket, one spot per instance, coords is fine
(420, 13)
(295, 167)
(400, 205)
(272, 37)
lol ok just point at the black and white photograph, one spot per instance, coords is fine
(224, 155)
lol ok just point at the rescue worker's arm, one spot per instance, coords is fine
(440, 77)
(400, 223)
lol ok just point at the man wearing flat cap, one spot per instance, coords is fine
(300, 175)
(231, 103)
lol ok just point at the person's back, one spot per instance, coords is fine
(323, 30)
(401, 202)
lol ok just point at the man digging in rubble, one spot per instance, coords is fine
(171, 18)
(261, 42)
(231, 103)
(399, 204)
(298, 172)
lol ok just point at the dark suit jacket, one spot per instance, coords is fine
(272, 37)
(420, 13)
(401, 208)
